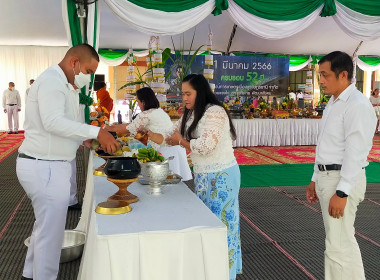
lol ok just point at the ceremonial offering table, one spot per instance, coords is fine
(173, 236)
(275, 132)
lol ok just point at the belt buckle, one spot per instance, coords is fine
(322, 167)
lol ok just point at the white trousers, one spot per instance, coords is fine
(343, 259)
(47, 184)
(12, 112)
(73, 183)
(179, 164)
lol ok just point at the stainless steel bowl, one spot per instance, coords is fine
(155, 173)
(72, 247)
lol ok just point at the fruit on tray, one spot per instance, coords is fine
(142, 137)
(148, 155)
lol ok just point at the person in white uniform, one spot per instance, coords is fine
(375, 101)
(52, 137)
(12, 105)
(339, 180)
(153, 118)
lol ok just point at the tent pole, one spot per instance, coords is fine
(231, 38)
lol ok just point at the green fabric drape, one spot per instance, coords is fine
(329, 9)
(280, 9)
(220, 5)
(370, 60)
(112, 54)
(168, 5)
(367, 7)
(76, 39)
(297, 60)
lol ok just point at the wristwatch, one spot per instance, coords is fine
(341, 194)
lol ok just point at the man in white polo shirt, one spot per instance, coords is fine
(12, 105)
(52, 137)
(339, 181)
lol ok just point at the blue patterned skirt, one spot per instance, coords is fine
(220, 192)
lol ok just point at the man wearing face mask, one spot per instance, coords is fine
(12, 105)
(52, 137)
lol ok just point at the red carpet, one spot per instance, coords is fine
(9, 143)
(289, 154)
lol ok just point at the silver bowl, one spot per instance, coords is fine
(72, 247)
(155, 173)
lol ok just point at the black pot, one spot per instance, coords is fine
(122, 168)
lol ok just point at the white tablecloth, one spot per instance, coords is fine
(179, 165)
(169, 237)
(272, 132)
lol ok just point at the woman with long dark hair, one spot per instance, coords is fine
(207, 131)
(153, 118)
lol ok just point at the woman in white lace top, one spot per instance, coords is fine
(152, 117)
(207, 131)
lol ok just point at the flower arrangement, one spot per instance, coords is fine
(263, 105)
(98, 117)
(284, 105)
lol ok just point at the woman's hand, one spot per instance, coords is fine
(155, 137)
(118, 128)
(174, 139)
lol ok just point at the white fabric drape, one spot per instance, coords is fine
(365, 67)
(301, 66)
(357, 25)
(157, 22)
(269, 29)
(19, 64)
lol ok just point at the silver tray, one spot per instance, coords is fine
(176, 179)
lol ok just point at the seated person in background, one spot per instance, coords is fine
(104, 98)
(153, 118)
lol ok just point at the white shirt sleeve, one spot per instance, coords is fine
(142, 120)
(52, 103)
(357, 132)
(18, 99)
(215, 118)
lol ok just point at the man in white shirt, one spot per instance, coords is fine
(339, 181)
(52, 137)
(27, 90)
(12, 105)
(292, 95)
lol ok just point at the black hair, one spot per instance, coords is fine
(101, 85)
(340, 61)
(147, 96)
(373, 92)
(204, 97)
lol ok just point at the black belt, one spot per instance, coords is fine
(329, 167)
(29, 157)
(11, 104)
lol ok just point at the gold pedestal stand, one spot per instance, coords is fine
(113, 207)
(122, 194)
(100, 170)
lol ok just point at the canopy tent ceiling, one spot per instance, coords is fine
(40, 23)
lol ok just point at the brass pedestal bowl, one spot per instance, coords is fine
(155, 173)
(122, 171)
(99, 171)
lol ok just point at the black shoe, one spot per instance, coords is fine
(77, 206)
(10, 132)
(16, 132)
(25, 278)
